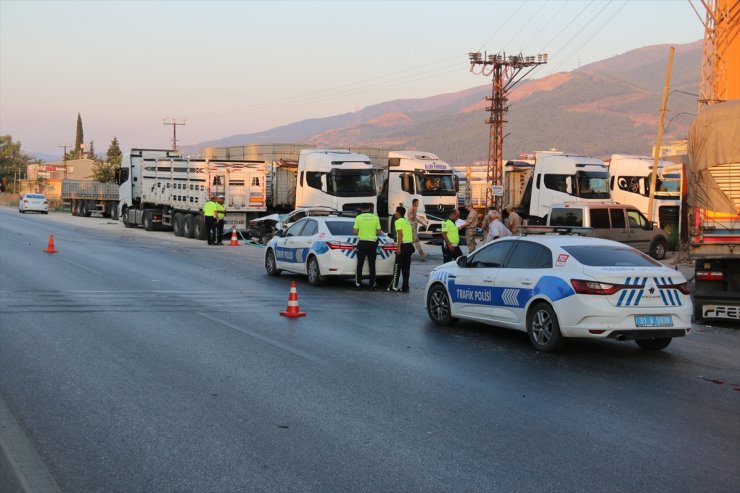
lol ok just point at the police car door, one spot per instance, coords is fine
(516, 281)
(301, 244)
(473, 291)
(285, 250)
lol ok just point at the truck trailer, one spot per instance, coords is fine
(86, 198)
(160, 189)
(714, 211)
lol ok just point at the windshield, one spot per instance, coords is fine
(591, 185)
(353, 183)
(668, 185)
(435, 184)
(606, 256)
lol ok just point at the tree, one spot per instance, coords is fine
(91, 150)
(79, 139)
(13, 161)
(114, 153)
(104, 172)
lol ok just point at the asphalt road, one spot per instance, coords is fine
(135, 361)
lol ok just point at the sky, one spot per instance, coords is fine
(233, 67)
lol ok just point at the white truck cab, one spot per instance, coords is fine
(562, 178)
(338, 179)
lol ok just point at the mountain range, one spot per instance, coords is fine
(610, 106)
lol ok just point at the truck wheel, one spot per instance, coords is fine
(188, 226)
(114, 212)
(658, 249)
(126, 222)
(147, 221)
(85, 209)
(654, 344)
(177, 224)
(199, 228)
(73, 208)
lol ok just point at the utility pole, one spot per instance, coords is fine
(659, 141)
(506, 72)
(64, 157)
(174, 123)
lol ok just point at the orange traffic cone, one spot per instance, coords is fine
(50, 247)
(293, 311)
(234, 241)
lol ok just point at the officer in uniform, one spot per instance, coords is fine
(451, 238)
(404, 250)
(367, 229)
(209, 216)
(219, 215)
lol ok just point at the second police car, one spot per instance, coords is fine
(556, 287)
(321, 246)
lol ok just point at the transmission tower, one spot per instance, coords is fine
(506, 72)
(174, 123)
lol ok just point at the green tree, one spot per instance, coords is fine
(79, 139)
(103, 171)
(13, 162)
(114, 153)
(91, 150)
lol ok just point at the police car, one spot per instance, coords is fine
(321, 246)
(556, 287)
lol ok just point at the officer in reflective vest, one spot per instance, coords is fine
(209, 217)
(219, 215)
(451, 238)
(367, 229)
(404, 250)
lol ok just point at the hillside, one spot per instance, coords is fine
(610, 106)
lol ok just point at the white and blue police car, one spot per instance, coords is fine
(556, 287)
(322, 246)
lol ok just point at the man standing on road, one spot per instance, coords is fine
(209, 217)
(515, 220)
(219, 215)
(415, 220)
(367, 229)
(496, 228)
(404, 250)
(451, 238)
(470, 226)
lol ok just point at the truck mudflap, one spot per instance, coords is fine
(717, 289)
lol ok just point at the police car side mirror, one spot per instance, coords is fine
(462, 261)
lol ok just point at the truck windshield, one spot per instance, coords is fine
(353, 183)
(591, 185)
(436, 184)
(668, 185)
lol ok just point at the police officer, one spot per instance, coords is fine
(219, 215)
(209, 216)
(367, 229)
(451, 238)
(404, 250)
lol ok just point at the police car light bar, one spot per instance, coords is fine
(562, 230)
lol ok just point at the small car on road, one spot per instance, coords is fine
(555, 287)
(323, 246)
(33, 202)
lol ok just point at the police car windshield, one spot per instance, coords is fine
(339, 228)
(604, 256)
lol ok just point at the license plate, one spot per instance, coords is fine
(654, 320)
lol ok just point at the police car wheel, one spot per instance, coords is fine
(654, 344)
(270, 264)
(543, 328)
(438, 306)
(313, 271)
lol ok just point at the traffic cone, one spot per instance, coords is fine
(234, 241)
(293, 311)
(50, 247)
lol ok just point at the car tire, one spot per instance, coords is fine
(44, 212)
(21, 211)
(177, 224)
(271, 264)
(439, 307)
(654, 344)
(188, 226)
(543, 328)
(314, 272)
(658, 248)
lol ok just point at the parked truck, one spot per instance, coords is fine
(561, 178)
(629, 183)
(86, 197)
(714, 211)
(160, 189)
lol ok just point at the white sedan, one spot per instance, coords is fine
(321, 246)
(556, 287)
(33, 202)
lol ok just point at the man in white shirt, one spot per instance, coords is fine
(496, 228)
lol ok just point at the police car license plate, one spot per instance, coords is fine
(654, 320)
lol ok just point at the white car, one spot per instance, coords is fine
(556, 287)
(321, 246)
(36, 202)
